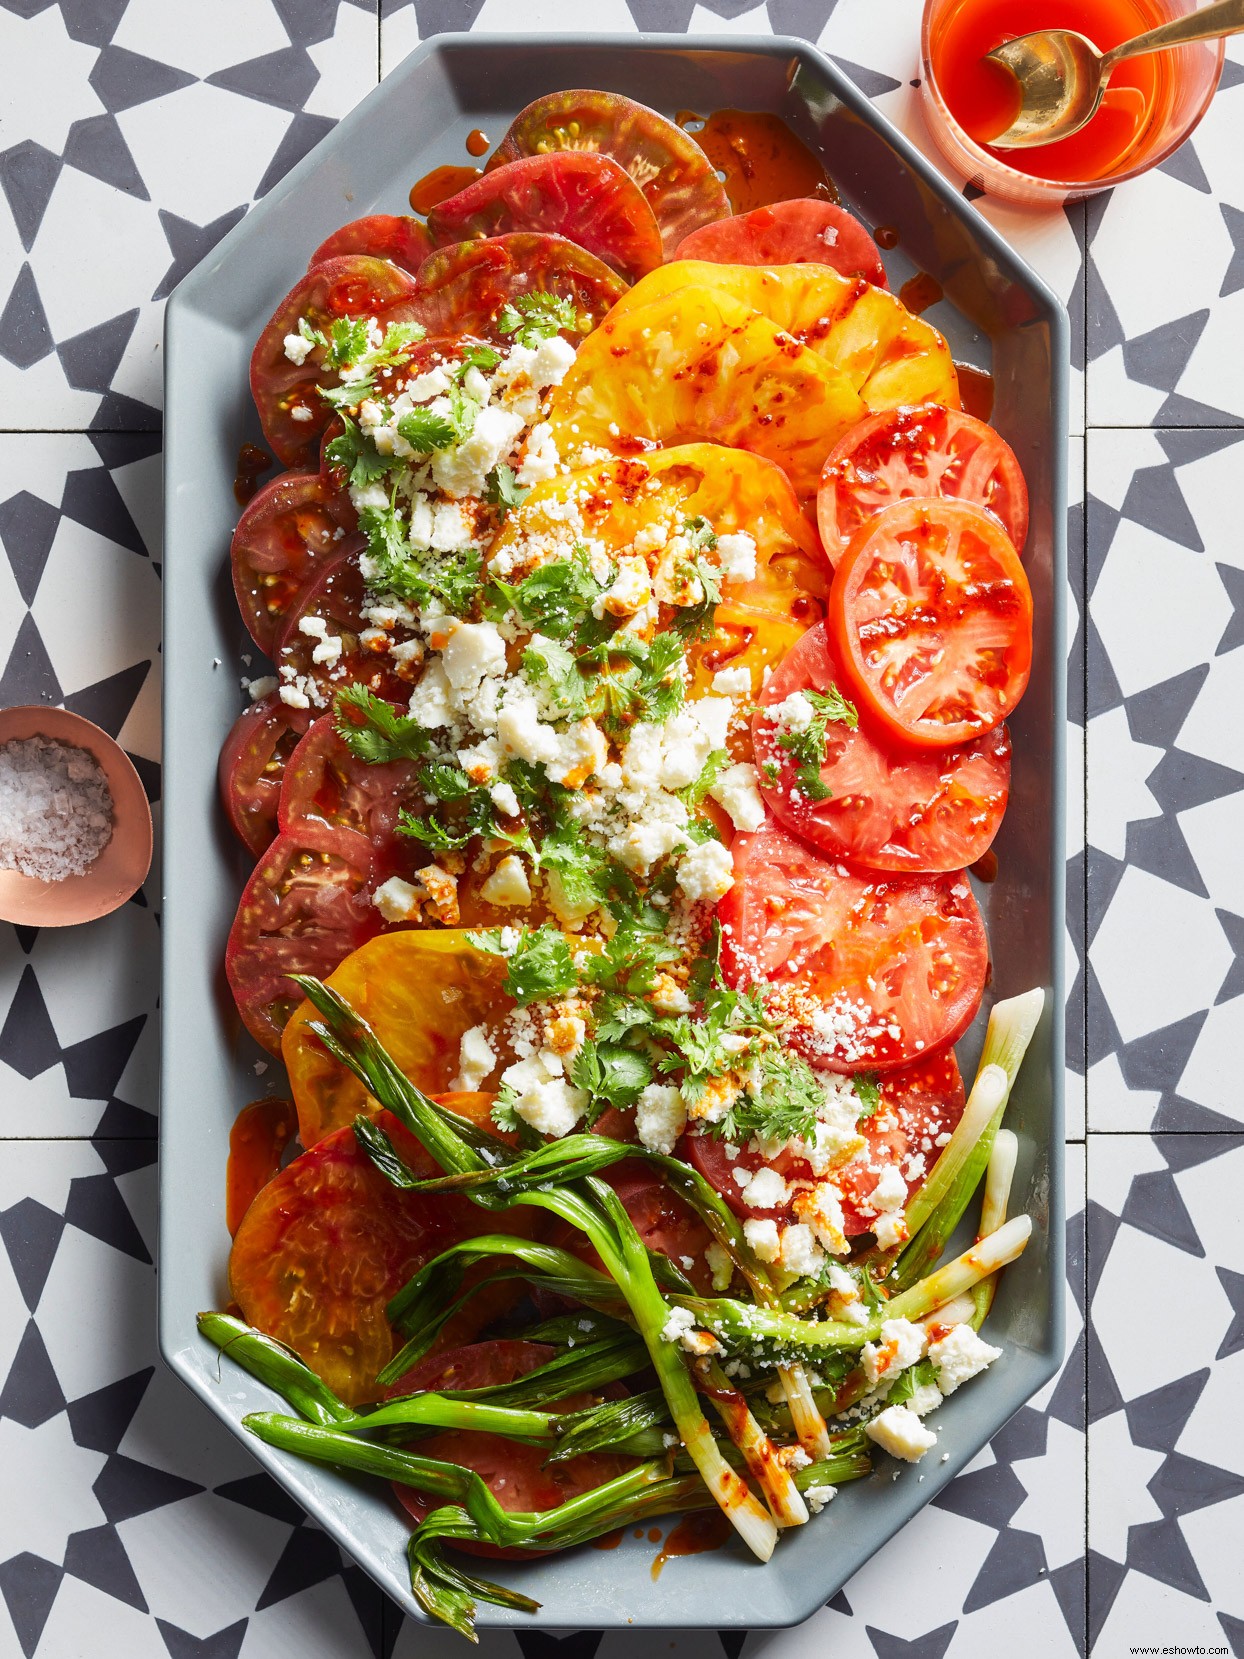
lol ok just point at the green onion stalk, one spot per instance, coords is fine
(599, 1215)
(999, 1175)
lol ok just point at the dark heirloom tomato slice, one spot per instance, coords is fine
(931, 616)
(288, 532)
(676, 177)
(864, 974)
(326, 784)
(518, 1476)
(584, 197)
(325, 1245)
(890, 806)
(352, 286)
(463, 287)
(337, 597)
(919, 1104)
(257, 1142)
(305, 908)
(924, 450)
(395, 236)
(800, 232)
(663, 1220)
(252, 764)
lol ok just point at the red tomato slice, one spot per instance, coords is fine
(257, 1142)
(336, 597)
(924, 450)
(931, 616)
(805, 231)
(673, 172)
(252, 764)
(890, 806)
(325, 1245)
(292, 528)
(326, 784)
(462, 288)
(919, 1104)
(352, 286)
(395, 236)
(516, 1475)
(584, 197)
(865, 974)
(305, 908)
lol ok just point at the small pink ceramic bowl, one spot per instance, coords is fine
(120, 869)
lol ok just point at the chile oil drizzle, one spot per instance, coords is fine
(975, 390)
(477, 142)
(694, 1535)
(439, 185)
(252, 461)
(257, 1141)
(919, 292)
(886, 237)
(760, 159)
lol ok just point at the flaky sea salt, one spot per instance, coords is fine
(55, 808)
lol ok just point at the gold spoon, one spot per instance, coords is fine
(1062, 76)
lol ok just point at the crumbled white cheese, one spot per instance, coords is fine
(706, 872)
(821, 1209)
(733, 682)
(508, 883)
(901, 1433)
(959, 1355)
(925, 1397)
(737, 790)
(736, 553)
(763, 1238)
(765, 1190)
(397, 900)
(298, 348)
(794, 713)
(476, 1059)
(660, 1117)
(890, 1193)
(720, 1266)
(901, 1345)
(801, 1254)
(473, 651)
(816, 1497)
(542, 1096)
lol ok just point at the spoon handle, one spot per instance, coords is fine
(1224, 17)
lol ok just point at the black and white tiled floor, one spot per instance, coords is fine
(133, 134)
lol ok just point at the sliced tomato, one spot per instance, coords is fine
(889, 806)
(862, 973)
(325, 783)
(336, 597)
(252, 765)
(662, 1218)
(305, 908)
(396, 236)
(291, 411)
(931, 615)
(325, 1245)
(257, 1142)
(673, 172)
(464, 287)
(473, 1365)
(419, 990)
(806, 231)
(922, 451)
(291, 529)
(584, 197)
(920, 1105)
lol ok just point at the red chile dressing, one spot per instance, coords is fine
(886, 237)
(609, 1540)
(439, 185)
(761, 159)
(251, 462)
(477, 142)
(921, 291)
(259, 1136)
(694, 1534)
(986, 866)
(975, 390)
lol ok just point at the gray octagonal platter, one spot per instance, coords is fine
(997, 315)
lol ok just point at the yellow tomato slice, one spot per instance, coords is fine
(699, 364)
(419, 991)
(889, 356)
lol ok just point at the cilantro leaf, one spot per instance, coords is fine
(536, 317)
(555, 674)
(696, 621)
(610, 1072)
(783, 1107)
(355, 451)
(373, 729)
(502, 490)
(809, 745)
(347, 342)
(867, 1091)
(424, 431)
(554, 598)
(712, 769)
(479, 357)
(540, 965)
(503, 1113)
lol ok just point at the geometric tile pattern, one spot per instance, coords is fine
(1108, 1511)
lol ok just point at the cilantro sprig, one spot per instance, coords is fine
(809, 745)
(374, 731)
(535, 317)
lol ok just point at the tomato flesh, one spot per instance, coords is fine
(464, 287)
(931, 615)
(677, 180)
(252, 766)
(396, 236)
(890, 806)
(305, 908)
(584, 197)
(336, 596)
(922, 451)
(289, 532)
(863, 972)
(291, 411)
(324, 1246)
(805, 231)
(257, 1142)
(326, 783)
(920, 1105)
